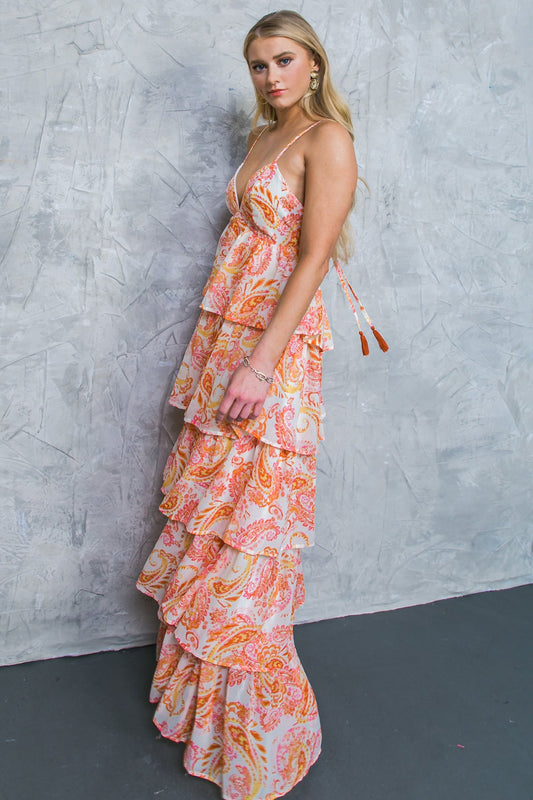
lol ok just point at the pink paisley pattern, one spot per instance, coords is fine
(293, 411)
(226, 571)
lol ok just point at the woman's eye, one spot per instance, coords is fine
(258, 67)
(285, 61)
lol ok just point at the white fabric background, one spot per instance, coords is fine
(121, 124)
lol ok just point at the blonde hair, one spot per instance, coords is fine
(324, 103)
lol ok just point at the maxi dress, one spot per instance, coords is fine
(240, 497)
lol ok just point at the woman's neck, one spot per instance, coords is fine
(291, 118)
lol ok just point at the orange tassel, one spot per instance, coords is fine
(381, 341)
(364, 343)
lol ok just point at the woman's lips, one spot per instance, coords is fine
(276, 92)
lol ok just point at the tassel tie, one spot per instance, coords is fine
(347, 287)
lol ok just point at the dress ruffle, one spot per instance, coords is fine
(293, 411)
(226, 607)
(255, 734)
(253, 496)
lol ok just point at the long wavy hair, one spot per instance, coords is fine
(324, 103)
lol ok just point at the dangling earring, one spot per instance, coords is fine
(313, 83)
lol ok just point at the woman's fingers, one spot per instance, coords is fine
(231, 407)
(245, 412)
(236, 411)
(258, 407)
(228, 408)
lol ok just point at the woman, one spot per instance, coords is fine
(239, 484)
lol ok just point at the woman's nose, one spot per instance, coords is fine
(272, 76)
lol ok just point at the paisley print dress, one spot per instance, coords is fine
(226, 571)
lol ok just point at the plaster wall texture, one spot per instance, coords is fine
(121, 124)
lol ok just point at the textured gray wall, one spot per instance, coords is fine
(121, 123)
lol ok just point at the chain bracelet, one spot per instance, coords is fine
(259, 375)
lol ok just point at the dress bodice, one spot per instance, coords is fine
(268, 205)
(258, 251)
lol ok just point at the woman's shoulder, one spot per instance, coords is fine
(329, 140)
(329, 133)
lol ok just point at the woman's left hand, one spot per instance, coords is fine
(244, 396)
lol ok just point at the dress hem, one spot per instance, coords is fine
(186, 646)
(242, 430)
(317, 336)
(206, 777)
(273, 554)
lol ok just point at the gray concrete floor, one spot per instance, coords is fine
(433, 702)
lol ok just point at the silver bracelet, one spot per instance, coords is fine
(259, 375)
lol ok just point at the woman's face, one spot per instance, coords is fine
(280, 70)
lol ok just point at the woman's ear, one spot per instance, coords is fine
(315, 61)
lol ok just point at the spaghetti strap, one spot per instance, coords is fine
(294, 140)
(261, 132)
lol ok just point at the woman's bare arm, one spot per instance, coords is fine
(330, 181)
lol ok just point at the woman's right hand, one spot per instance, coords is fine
(244, 397)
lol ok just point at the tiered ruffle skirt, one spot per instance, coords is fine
(226, 573)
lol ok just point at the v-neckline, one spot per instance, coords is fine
(250, 179)
(271, 163)
(265, 166)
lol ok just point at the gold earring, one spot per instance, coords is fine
(313, 83)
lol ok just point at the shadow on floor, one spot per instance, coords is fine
(426, 703)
